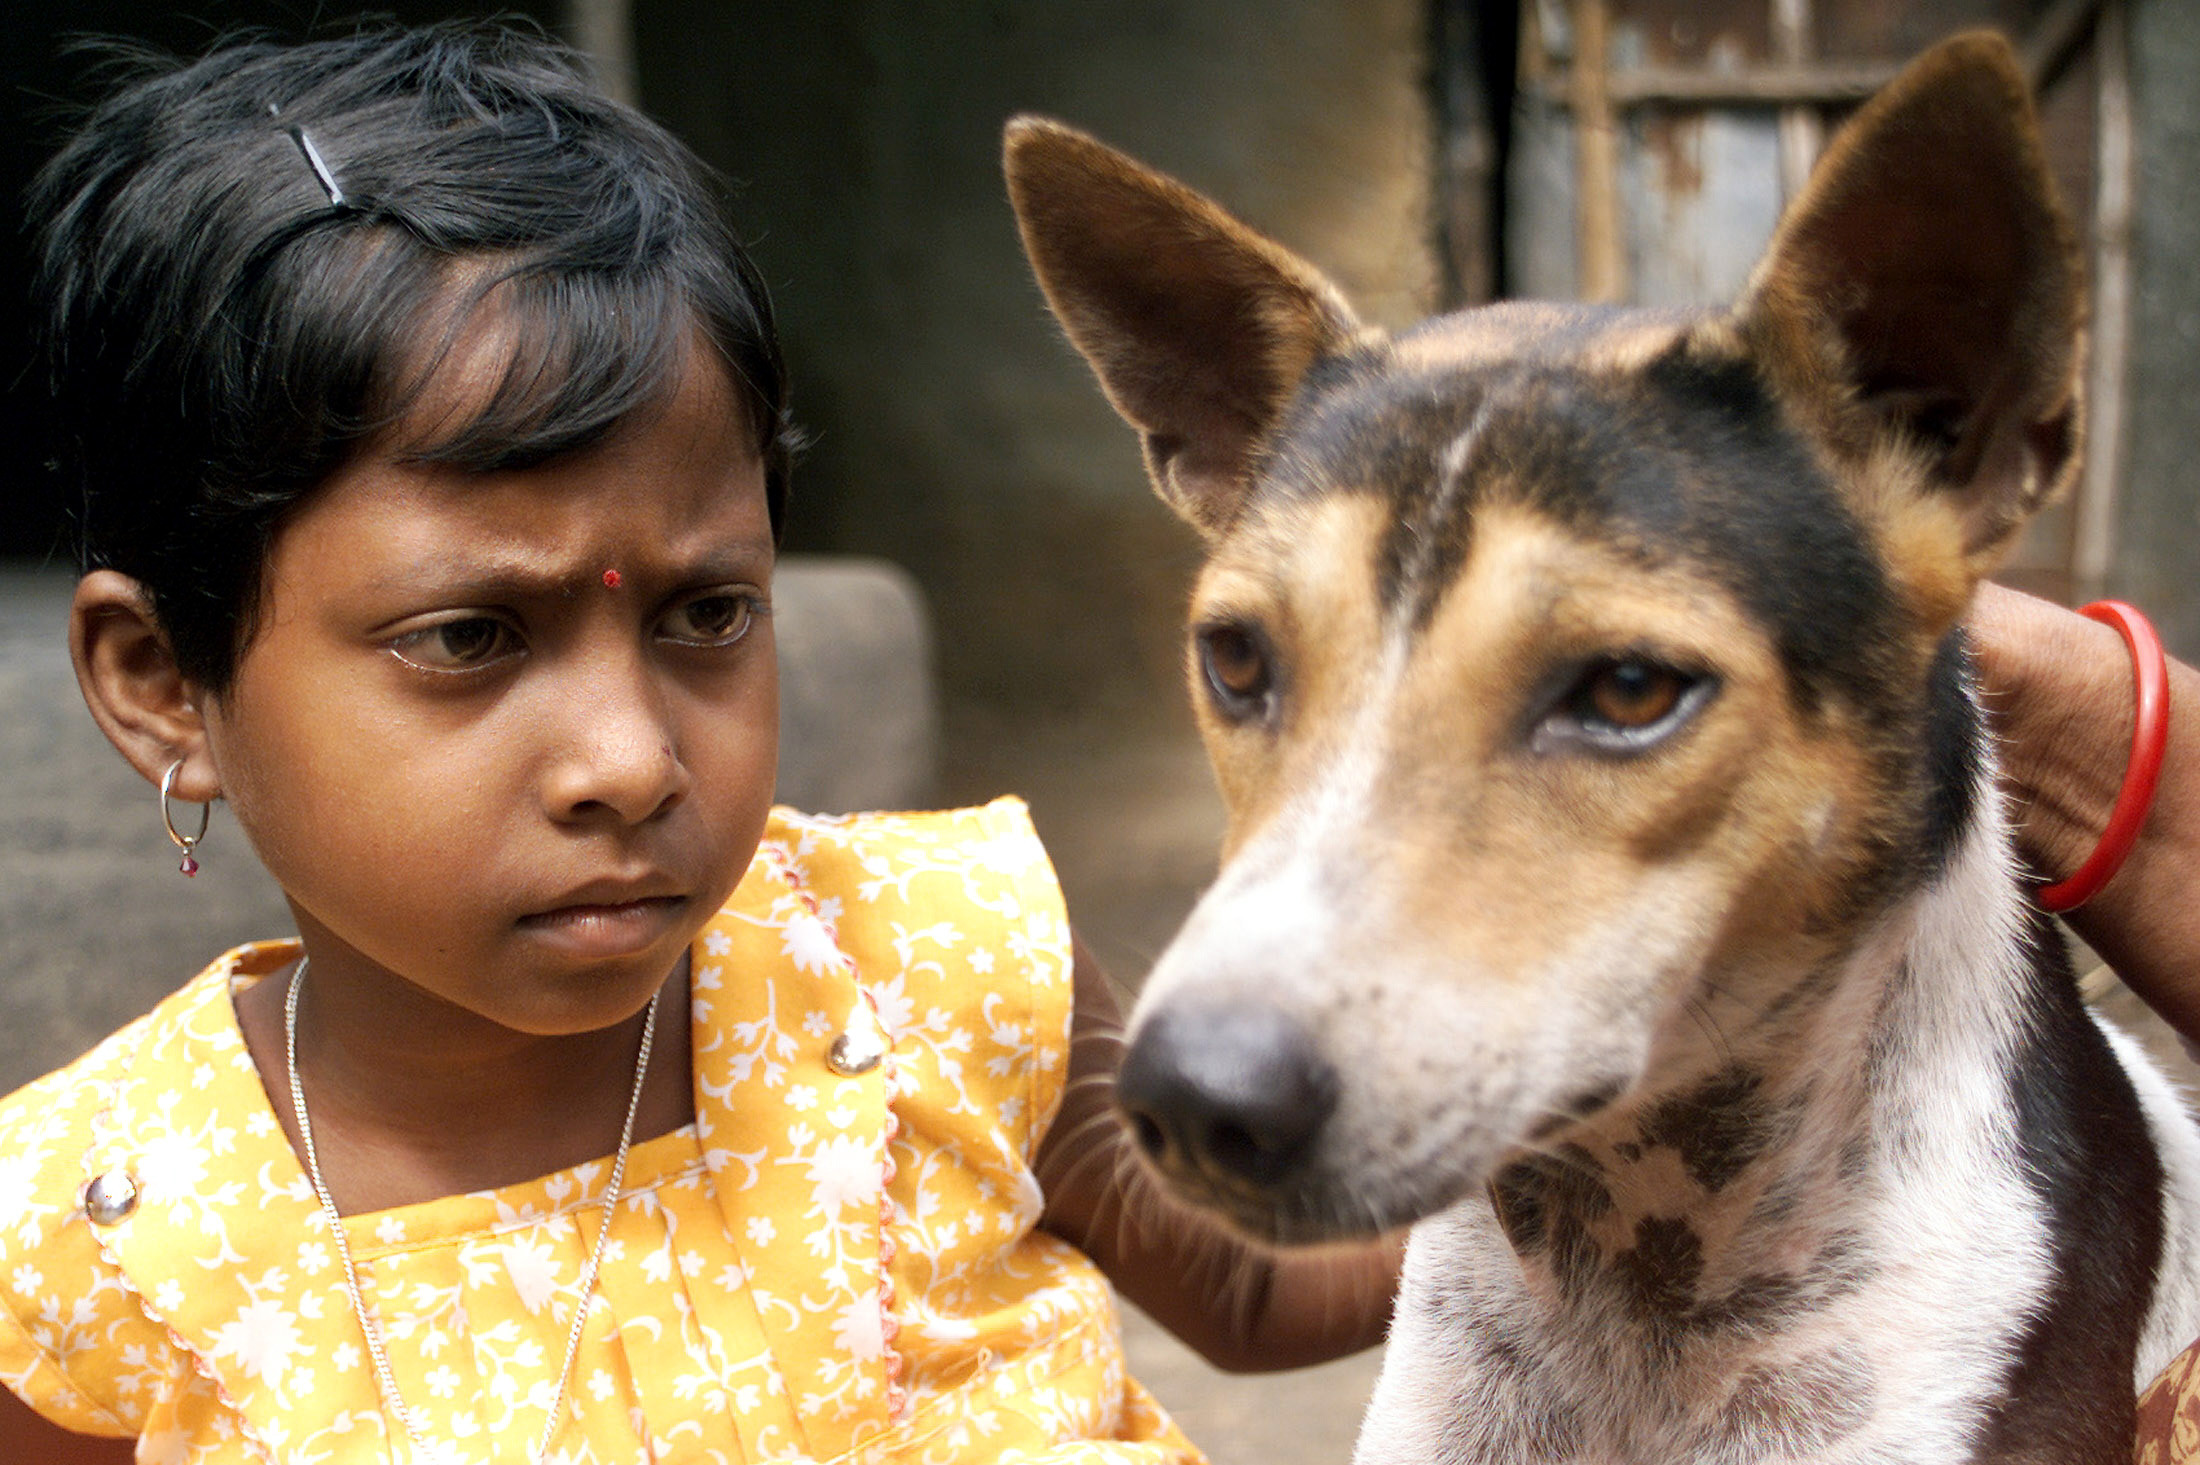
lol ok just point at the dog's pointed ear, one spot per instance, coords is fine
(1924, 297)
(1198, 327)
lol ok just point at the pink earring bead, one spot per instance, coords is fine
(190, 865)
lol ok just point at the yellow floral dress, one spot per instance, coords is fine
(820, 1268)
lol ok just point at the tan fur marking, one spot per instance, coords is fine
(1471, 832)
(1533, 601)
(1505, 332)
(1297, 570)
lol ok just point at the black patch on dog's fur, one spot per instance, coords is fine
(1953, 737)
(1546, 1203)
(1717, 1128)
(1781, 1200)
(1660, 1271)
(1804, 996)
(1765, 1302)
(1572, 1111)
(1758, 1303)
(1661, 1275)
(2091, 1159)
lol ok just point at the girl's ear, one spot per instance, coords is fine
(137, 694)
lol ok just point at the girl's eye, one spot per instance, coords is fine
(1626, 704)
(711, 620)
(1234, 660)
(458, 645)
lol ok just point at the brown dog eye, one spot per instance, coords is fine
(1619, 706)
(1633, 694)
(1235, 663)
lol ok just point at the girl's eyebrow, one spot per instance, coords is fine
(498, 578)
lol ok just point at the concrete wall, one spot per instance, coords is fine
(956, 434)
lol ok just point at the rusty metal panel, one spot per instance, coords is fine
(1539, 214)
(1878, 29)
(1697, 91)
(1697, 197)
(1715, 33)
(1701, 193)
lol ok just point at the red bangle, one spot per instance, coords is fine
(2149, 737)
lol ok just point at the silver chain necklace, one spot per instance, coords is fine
(407, 1419)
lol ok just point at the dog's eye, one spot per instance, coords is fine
(1624, 705)
(1234, 660)
(1632, 694)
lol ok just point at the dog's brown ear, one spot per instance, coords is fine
(1925, 291)
(1198, 327)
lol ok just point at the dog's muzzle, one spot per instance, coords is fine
(1228, 1101)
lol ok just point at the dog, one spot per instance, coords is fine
(1615, 886)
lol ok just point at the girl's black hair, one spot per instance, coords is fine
(221, 336)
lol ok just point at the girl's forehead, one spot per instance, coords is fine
(679, 477)
(507, 372)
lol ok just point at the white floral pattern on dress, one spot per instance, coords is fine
(737, 1317)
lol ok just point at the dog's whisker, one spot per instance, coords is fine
(1086, 1081)
(1709, 1027)
(1067, 1179)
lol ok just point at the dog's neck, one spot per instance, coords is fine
(1791, 1112)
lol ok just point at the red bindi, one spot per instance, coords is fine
(611, 579)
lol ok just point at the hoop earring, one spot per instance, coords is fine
(184, 842)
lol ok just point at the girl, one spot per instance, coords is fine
(433, 450)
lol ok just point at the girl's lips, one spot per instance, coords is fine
(620, 929)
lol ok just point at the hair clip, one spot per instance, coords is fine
(321, 173)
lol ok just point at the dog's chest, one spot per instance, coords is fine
(1582, 1319)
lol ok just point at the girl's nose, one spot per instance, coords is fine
(619, 757)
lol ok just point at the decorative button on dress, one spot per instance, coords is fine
(835, 1262)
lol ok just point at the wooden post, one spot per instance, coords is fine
(1600, 251)
(1802, 130)
(2093, 528)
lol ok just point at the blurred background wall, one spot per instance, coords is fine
(954, 430)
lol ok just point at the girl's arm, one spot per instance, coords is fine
(27, 1436)
(2059, 688)
(1242, 1306)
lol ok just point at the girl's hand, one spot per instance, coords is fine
(1242, 1306)
(2059, 692)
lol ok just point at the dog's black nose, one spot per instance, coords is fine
(1235, 1092)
